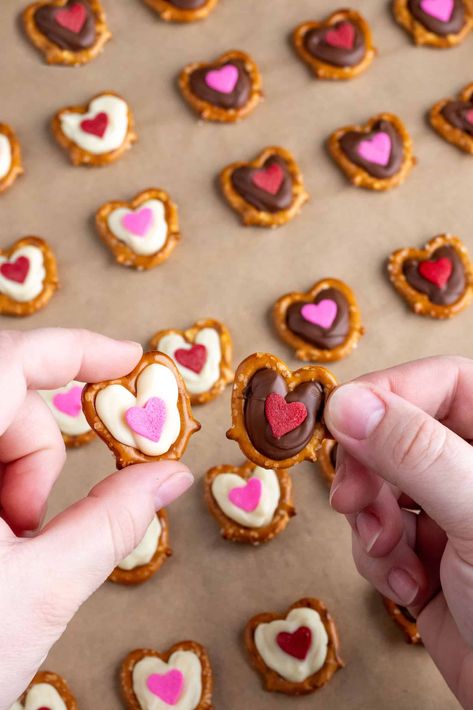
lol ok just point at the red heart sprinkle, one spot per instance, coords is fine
(437, 272)
(16, 270)
(269, 179)
(342, 36)
(296, 644)
(72, 18)
(469, 115)
(283, 416)
(96, 125)
(193, 358)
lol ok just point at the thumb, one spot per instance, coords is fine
(407, 448)
(82, 545)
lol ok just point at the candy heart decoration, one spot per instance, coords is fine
(437, 272)
(247, 497)
(322, 313)
(69, 402)
(223, 80)
(96, 126)
(139, 222)
(167, 687)
(296, 644)
(283, 416)
(376, 149)
(148, 421)
(269, 179)
(16, 270)
(342, 36)
(193, 358)
(72, 18)
(440, 9)
(469, 116)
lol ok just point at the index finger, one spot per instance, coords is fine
(48, 358)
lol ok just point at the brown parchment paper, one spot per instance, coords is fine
(209, 588)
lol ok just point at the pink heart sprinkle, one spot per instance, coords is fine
(469, 116)
(139, 222)
(222, 80)
(440, 9)
(167, 686)
(69, 402)
(247, 497)
(376, 149)
(322, 313)
(147, 421)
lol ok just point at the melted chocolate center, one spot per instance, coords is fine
(236, 98)
(243, 180)
(342, 44)
(460, 115)
(311, 331)
(69, 33)
(351, 144)
(263, 383)
(187, 4)
(440, 296)
(439, 25)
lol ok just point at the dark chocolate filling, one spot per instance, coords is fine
(45, 20)
(454, 287)
(316, 44)
(235, 99)
(456, 112)
(263, 383)
(261, 199)
(324, 338)
(433, 24)
(187, 4)
(351, 140)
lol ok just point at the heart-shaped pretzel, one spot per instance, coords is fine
(323, 324)
(98, 133)
(338, 47)
(137, 573)
(226, 90)
(327, 459)
(182, 10)
(10, 157)
(453, 119)
(70, 32)
(45, 689)
(172, 685)
(376, 155)
(404, 620)
(266, 192)
(28, 276)
(141, 233)
(277, 414)
(148, 409)
(438, 23)
(205, 366)
(65, 404)
(436, 281)
(296, 647)
(243, 507)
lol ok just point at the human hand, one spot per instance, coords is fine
(404, 436)
(45, 578)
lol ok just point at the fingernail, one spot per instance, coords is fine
(172, 488)
(368, 528)
(403, 585)
(354, 410)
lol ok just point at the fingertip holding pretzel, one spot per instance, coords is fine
(68, 32)
(98, 133)
(145, 415)
(436, 281)
(277, 414)
(250, 504)
(339, 47)
(141, 233)
(28, 276)
(182, 675)
(296, 652)
(182, 10)
(203, 356)
(436, 23)
(404, 620)
(268, 191)
(323, 324)
(376, 155)
(47, 690)
(147, 557)
(452, 119)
